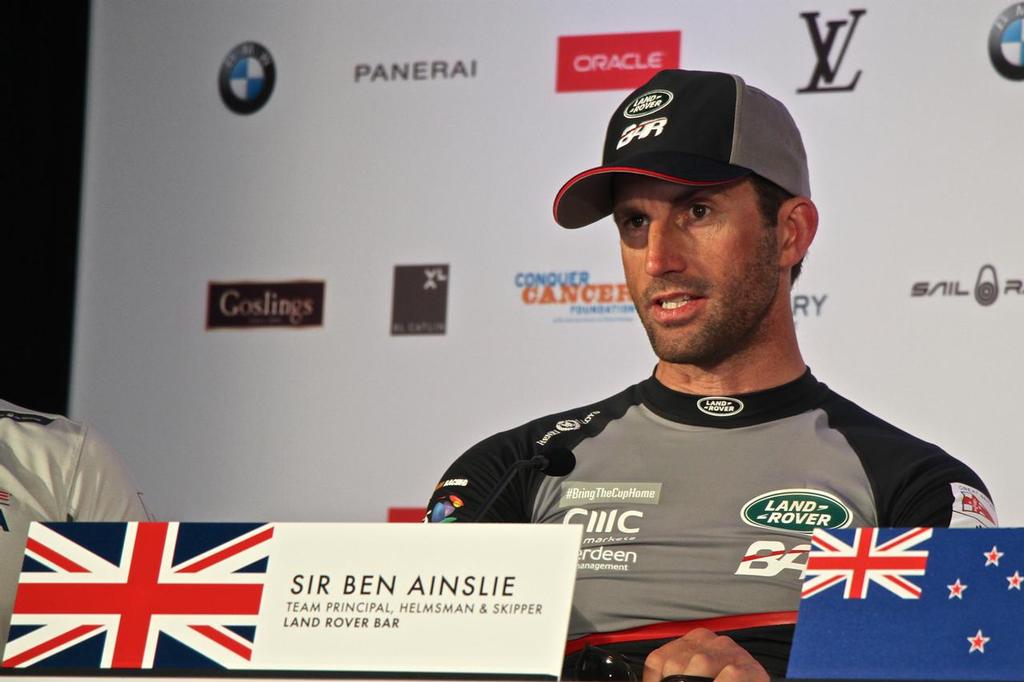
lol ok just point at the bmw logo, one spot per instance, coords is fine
(246, 78)
(1006, 42)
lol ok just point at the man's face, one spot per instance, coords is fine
(701, 266)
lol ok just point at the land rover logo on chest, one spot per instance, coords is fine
(796, 509)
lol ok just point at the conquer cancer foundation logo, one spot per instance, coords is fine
(575, 296)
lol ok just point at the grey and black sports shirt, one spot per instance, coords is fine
(700, 508)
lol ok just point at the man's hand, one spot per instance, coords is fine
(702, 652)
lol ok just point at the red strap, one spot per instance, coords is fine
(681, 627)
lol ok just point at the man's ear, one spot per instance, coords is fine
(797, 224)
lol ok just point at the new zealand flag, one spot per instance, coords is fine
(180, 596)
(923, 603)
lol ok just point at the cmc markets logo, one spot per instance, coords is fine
(573, 296)
(424, 70)
(249, 305)
(1006, 42)
(616, 61)
(829, 52)
(986, 289)
(419, 303)
(247, 77)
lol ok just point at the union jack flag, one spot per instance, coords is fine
(139, 595)
(865, 561)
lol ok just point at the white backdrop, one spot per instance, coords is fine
(915, 172)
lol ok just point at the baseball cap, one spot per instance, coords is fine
(694, 128)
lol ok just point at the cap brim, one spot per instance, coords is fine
(587, 197)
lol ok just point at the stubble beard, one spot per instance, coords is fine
(732, 324)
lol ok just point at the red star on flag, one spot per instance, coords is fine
(1015, 580)
(957, 589)
(978, 642)
(992, 556)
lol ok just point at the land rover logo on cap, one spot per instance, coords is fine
(647, 103)
(719, 406)
(796, 509)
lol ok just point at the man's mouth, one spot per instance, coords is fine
(677, 302)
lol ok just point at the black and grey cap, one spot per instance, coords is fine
(694, 128)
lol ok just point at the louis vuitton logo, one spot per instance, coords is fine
(827, 68)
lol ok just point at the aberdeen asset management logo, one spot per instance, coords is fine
(247, 77)
(830, 51)
(249, 305)
(1006, 42)
(986, 290)
(616, 61)
(420, 300)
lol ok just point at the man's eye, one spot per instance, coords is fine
(633, 222)
(699, 211)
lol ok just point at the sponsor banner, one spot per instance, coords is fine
(1006, 42)
(986, 289)
(305, 597)
(419, 303)
(830, 43)
(405, 514)
(617, 61)
(575, 296)
(921, 603)
(424, 70)
(248, 305)
(247, 77)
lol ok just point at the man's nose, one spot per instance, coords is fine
(665, 249)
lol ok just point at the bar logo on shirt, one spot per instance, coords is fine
(796, 509)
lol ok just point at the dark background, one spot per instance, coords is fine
(44, 52)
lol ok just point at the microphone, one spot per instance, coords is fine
(557, 462)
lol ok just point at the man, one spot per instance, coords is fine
(53, 469)
(698, 488)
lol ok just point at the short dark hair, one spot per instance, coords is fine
(770, 198)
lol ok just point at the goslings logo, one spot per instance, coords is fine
(796, 509)
(575, 297)
(719, 406)
(986, 290)
(433, 70)
(248, 305)
(420, 300)
(616, 61)
(1006, 42)
(648, 103)
(829, 59)
(247, 78)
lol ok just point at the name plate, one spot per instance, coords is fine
(359, 600)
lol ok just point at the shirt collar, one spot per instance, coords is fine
(732, 411)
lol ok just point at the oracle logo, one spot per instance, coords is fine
(630, 61)
(617, 61)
